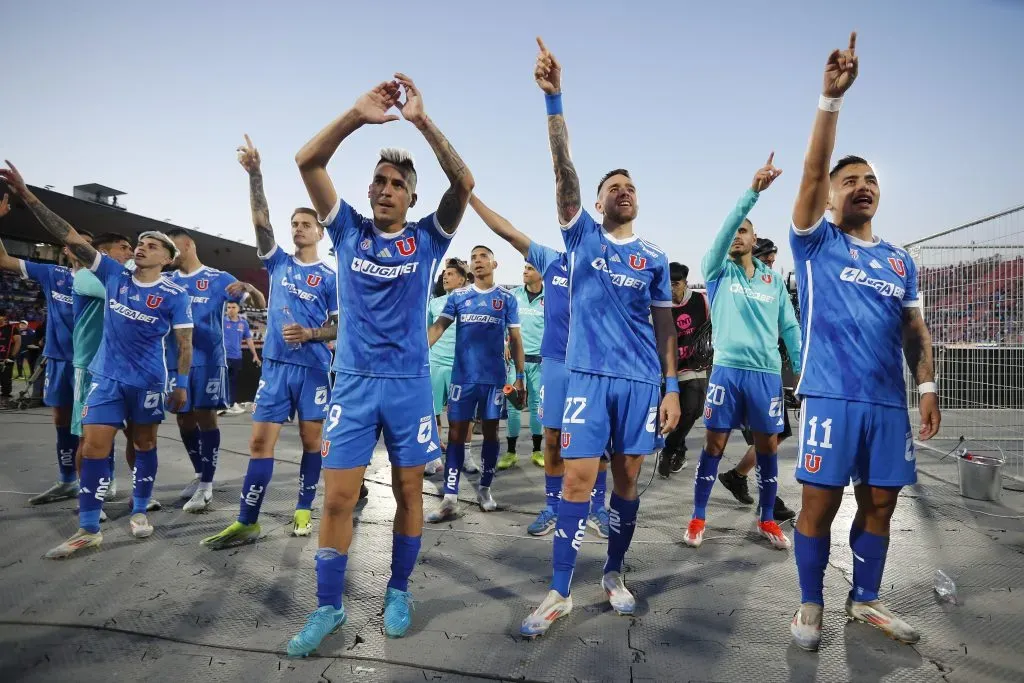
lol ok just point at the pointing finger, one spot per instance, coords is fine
(853, 42)
(541, 45)
(770, 157)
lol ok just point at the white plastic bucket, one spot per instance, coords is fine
(981, 476)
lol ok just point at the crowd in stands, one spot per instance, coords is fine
(975, 302)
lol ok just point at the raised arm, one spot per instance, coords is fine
(436, 329)
(548, 74)
(54, 224)
(812, 197)
(500, 226)
(461, 182)
(714, 260)
(249, 158)
(256, 298)
(313, 157)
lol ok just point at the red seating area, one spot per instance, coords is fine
(975, 302)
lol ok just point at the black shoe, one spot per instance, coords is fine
(664, 464)
(678, 462)
(782, 513)
(363, 491)
(737, 485)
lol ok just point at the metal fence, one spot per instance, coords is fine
(972, 281)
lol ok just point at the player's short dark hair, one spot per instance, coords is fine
(105, 238)
(308, 211)
(848, 160)
(677, 271)
(178, 232)
(763, 247)
(609, 174)
(485, 248)
(457, 266)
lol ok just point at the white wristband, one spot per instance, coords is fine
(829, 103)
(927, 388)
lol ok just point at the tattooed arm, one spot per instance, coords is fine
(249, 158)
(294, 333)
(183, 338)
(548, 74)
(917, 348)
(456, 197)
(328, 332)
(54, 224)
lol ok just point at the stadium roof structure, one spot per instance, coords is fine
(97, 217)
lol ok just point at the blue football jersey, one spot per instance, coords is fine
(207, 288)
(554, 269)
(852, 296)
(309, 292)
(138, 319)
(234, 332)
(612, 286)
(56, 283)
(482, 318)
(384, 281)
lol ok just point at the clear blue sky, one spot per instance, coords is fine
(153, 99)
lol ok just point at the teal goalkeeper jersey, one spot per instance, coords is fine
(89, 298)
(531, 317)
(748, 315)
(442, 353)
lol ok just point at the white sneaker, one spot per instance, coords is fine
(448, 511)
(153, 505)
(876, 614)
(553, 608)
(806, 626)
(190, 490)
(141, 528)
(103, 515)
(199, 501)
(112, 490)
(80, 540)
(485, 499)
(470, 465)
(433, 467)
(619, 596)
(236, 410)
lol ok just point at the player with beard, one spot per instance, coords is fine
(621, 350)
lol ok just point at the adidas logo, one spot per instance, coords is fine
(432, 447)
(384, 253)
(875, 264)
(615, 257)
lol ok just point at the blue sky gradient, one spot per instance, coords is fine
(691, 97)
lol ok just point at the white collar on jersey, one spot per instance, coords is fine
(484, 291)
(198, 270)
(875, 241)
(154, 283)
(615, 240)
(311, 263)
(389, 235)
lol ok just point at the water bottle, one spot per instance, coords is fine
(289, 319)
(944, 587)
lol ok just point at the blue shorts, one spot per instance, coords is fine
(601, 412)
(110, 402)
(554, 380)
(362, 408)
(744, 398)
(843, 441)
(286, 388)
(59, 385)
(207, 388)
(476, 401)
